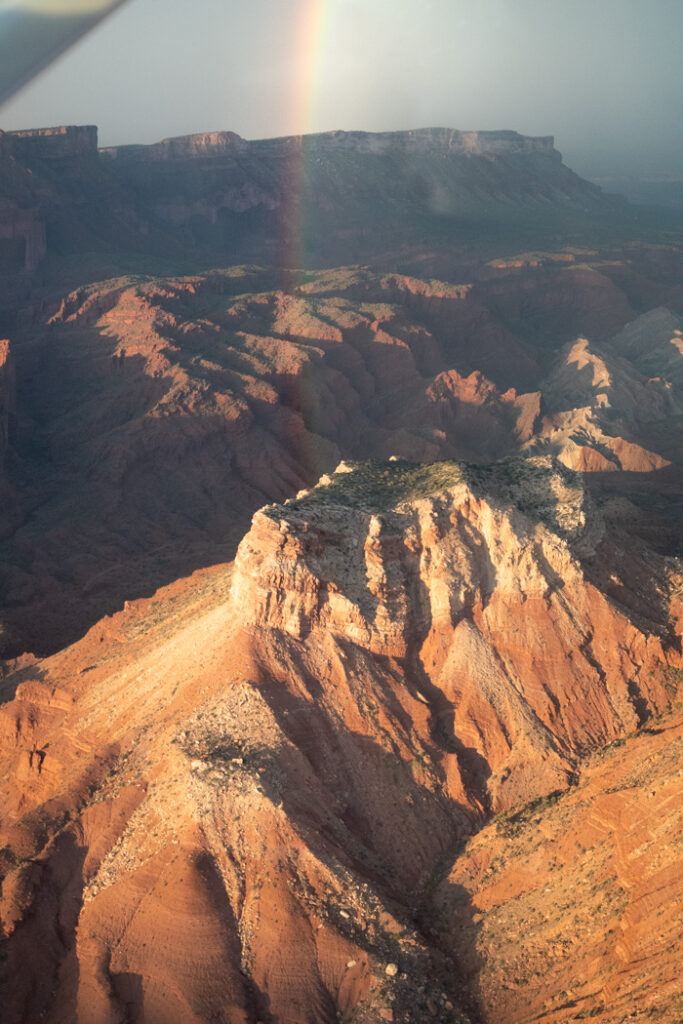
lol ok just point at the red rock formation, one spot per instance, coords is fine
(202, 800)
(438, 586)
(568, 908)
(252, 795)
(175, 407)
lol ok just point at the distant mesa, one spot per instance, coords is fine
(182, 147)
(297, 200)
(80, 140)
(426, 140)
(52, 143)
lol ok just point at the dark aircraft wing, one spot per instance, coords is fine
(33, 33)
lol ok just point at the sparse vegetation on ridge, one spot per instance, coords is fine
(537, 484)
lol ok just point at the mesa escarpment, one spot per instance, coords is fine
(7, 397)
(296, 201)
(59, 204)
(22, 239)
(430, 567)
(65, 142)
(8, 515)
(205, 793)
(214, 145)
(308, 197)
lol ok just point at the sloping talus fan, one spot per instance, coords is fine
(33, 33)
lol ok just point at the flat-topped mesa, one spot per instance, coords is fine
(59, 143)
(183, 147)
(208, 145)
(476, 580)
(382, 552)
(422, 140)
(336, 192)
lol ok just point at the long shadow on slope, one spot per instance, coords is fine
(658, 498)
(454, 926)
(474, 768)
(623, 569)
(373, 818)
(117, 502)
(44, 941)
(13, 679)
(371, 792)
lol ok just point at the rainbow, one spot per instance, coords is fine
(310, 34)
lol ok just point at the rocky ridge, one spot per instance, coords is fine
(176, 407)
(201, 798)
(569, 908)
(430, 566)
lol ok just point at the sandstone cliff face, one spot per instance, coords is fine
(242, 798)
(22, 228)
(184, 147)
(8, 498)
(438, 584)
(214, 145)
(38, 169)
(55, 180)
(307, 197)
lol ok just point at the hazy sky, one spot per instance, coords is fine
(604, 76)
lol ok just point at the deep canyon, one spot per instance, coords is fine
(342, 489)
